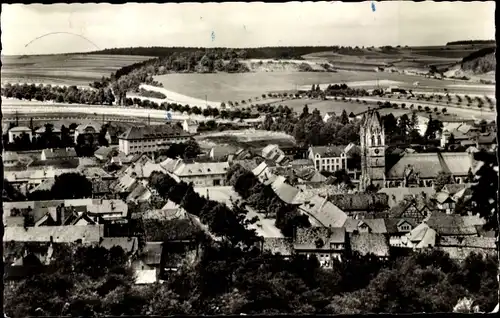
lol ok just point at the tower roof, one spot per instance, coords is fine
(371, 119)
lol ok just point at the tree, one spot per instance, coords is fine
(484, 191)
(344, 118)
(192, 149)
(71, 186)
(441, 180)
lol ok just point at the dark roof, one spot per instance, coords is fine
(128, 244)
(101, 186)
(328, 151)
(375, 225)
(152, 132)
(391, 224)
(151, 253)
(366, 243)
(449, 224)
(276, 245)
(358, 201)
(307, 238)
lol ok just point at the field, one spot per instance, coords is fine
(399, 57)
(234, 87)
(71, 69)
(244, 138)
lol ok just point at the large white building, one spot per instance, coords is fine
(18, 132)
(328, 158)
(203, 174)
(149, 139)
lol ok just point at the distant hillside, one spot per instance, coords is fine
(469, 42)
(480, 62)
(295, 52)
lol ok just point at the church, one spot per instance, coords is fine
(412, 169)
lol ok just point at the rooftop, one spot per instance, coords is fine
(59, 234)
(369, 243)
(359, 201)
(318, 237)
(375, 225)
(201, 168)
(328, 151)
(323, 212)
(154, 132)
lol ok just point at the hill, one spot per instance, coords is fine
(480, 62)
(471, 42)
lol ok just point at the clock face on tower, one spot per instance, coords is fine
(376, 151)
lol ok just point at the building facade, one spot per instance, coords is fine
(372, 150)
(328, 158)
(150, 139)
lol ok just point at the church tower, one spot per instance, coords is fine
(372, 150)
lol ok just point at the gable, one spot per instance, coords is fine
(411, 212)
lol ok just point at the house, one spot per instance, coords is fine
(26, 180)
(10, 159)
(221, 152)
(89, 234)
(396, 195)
(139, 193)
(451, 225)
(321, 212)
(376, 226)
(203, 174)
(149, 139)
(445, 202)
(415, 207)
(147, 266)
(61, 154)
(105, 153)
(42, 130)
(274, 153)
(87, 130)
(263, 173)
(92, 173)
(190, 126)
(360, 204)
(102, 189)
(278, 246)
(325, 243)
(287, 193)
(421, 237)
(397, 228)
(22, 260)
(421, 169)
(328, 158)
(460, 248)
(329, 115)
(19, 132)
(366, 243)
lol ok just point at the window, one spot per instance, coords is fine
(379, 140)
(372, 140)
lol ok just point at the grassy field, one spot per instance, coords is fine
(77, 69)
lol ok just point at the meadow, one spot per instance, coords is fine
(63, 69)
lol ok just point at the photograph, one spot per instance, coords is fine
(249, 158)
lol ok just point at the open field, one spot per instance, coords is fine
(71, 69)
(235, 87)
(244, 138)
(399, 57)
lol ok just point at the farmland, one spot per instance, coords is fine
(245, 138)
(233, 87)
(63, 69)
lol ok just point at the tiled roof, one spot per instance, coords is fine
(59, 153)
(321, 211)
(306, 238)
(352, 149)
(328, 151)
(275, 245)
(449, 224)
(428, 165)
(221, 151)
(263, 173)
(139, 193)
(105, 151)
(468, 241)
(284, 191)
(10, 156)
(454, 188)
(369, 243)
(422, 236)
(358, 201)
(94, 172)
(170, 164)
(46, 185)
(89, 127)
(129, 244)
(376, 225)
(20, 129)
(201, 169)
(391, 224)
(396, 195)
(154, 132)
(59, 234)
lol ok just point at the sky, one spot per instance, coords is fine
(88, 27)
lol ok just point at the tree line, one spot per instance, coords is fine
(59, 94)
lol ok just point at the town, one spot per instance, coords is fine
(270, 204)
